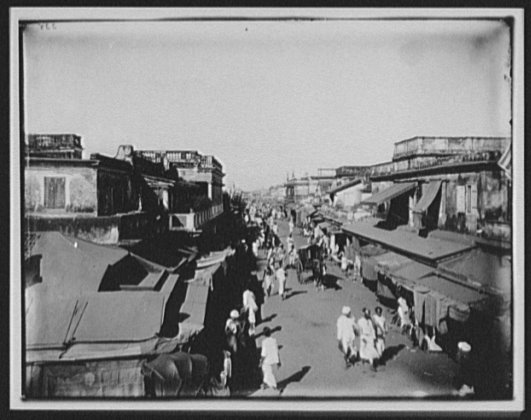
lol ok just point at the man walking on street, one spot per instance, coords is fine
(367, 339)
(281, 278)
(270, 357)
(381, 330)
(250, 307)
(346, 334)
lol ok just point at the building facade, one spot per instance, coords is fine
(458, 184)
(191, 166)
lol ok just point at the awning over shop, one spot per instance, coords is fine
(390, 261)
(390, 193)
(429, 194)
(345, 186)
(205, 275)
(427, 249)
(193, 310)
(438, 296)
(482, 268)
(324, 226)
(368, 262)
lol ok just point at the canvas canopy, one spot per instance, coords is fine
(392, 192)
(428, 249)
(72, 266)
(430, 192)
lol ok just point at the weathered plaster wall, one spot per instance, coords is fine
(80, 189)
(490, 208)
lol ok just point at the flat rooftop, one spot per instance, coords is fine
(427, 250)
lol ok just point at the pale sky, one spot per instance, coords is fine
(268, 98)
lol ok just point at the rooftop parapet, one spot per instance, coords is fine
(447, 146)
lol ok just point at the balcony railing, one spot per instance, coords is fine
(195, 220)
(209, 162)
(422, 162)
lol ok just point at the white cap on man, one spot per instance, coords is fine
(234, 314)
(346, 310)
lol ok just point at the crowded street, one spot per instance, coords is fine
(304, 325)
(248, 230)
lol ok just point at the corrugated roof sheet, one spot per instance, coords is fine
(428, 196)
(407, 243)
(392, 192)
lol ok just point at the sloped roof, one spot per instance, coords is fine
(388, 194)
(121, 316)
(345, 186)
(48, 317)
(390, 260)
(483, 268)
(71, 266)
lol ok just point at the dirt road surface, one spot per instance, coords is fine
(305, 327)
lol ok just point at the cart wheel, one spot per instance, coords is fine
(299, 271)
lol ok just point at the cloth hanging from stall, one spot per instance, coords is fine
(429, 194)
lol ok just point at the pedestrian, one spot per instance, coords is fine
(232, 330)
(269, 278)
(280, 274)
(346, 334)
(280, 255)
(357, 267)
(292, 256)
(291, 225)
(290, 241)
(344, 262)
(250, 307)
(367, 339)
(404, 315)
(255, 246)
(226, 373)
(275, 228)
(380, 324)
(270, 358)
(270, 250)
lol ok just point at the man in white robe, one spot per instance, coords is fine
(270, 359)
(346, 334)
(367, 332)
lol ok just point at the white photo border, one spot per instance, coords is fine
(18, 15)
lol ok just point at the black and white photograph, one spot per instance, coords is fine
(285, 209)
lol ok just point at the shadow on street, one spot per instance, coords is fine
(390, 353)
(295, 293)
(269, 318)
(273, 330)
(296, 377)
(330, 282)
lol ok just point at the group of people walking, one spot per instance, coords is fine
(371, 331)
